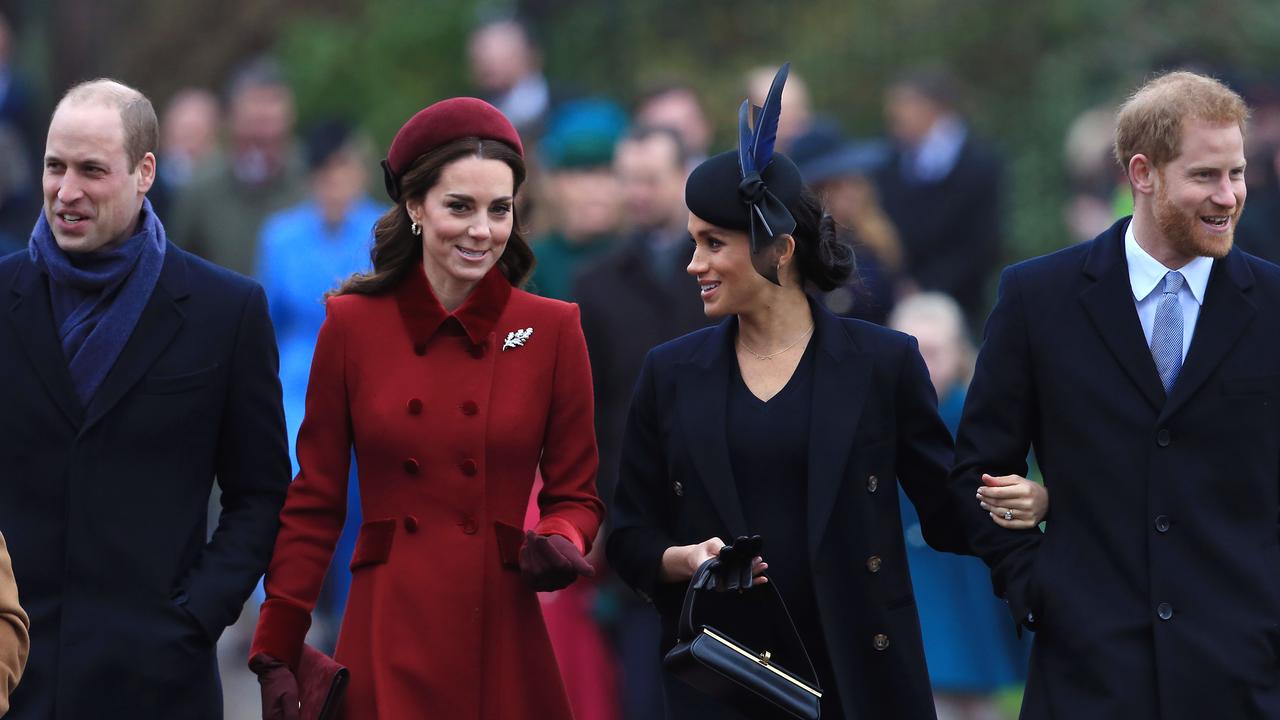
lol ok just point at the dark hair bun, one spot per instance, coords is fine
(824, 255)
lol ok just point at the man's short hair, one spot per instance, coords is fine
(1150, 122)
(644, 133)
(141, 128)
(934, 83)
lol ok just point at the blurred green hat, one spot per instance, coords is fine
(582, 134)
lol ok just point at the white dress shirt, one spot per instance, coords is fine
(1146, 278)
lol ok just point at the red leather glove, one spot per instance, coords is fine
(279, 688)
(551, 562)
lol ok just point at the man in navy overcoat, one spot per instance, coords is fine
(134, 376)
(1143, 368)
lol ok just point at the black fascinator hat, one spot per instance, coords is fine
(751, 189)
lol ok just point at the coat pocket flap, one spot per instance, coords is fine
(1259, 385)
(170, 384)
(373, 547)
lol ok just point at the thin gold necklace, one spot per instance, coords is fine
(770, 356)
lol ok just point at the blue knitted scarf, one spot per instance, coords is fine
(98, 297)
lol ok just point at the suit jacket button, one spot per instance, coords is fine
(1162, 523)
(677, 488)
(1164, 611)
(873, 564)
(411, 466)
(420, 349)
(414, 406)
(470, 408)
(880, 641)
(411, 524)
(468, 467)
(1162, 438)
(469, 525)
(873, 483)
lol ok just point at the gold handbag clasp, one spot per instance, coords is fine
(765, 657)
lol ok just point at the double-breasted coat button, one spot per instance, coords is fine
(411, 524)
(470, 408)
(468, 525)
(1162, 523)
(411, 466)
(873, 483)
(1164, 611)
(1162, 438)
(420, 349)
(873, 564)
(414, 406)
(678, 488)
(477, 351)
(468, 467)
(880, 641)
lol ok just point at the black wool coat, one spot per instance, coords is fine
(874, 423)
(105, 507)
(1155, 590)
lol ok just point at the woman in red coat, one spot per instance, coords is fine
(454, 388)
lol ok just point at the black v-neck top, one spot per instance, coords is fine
(769, 454)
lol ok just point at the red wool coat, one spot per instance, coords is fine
(450, 417)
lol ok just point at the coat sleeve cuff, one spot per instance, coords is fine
(565, 529)
(282, 628)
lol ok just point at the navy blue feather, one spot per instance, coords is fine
(766, 126)
(745, 140)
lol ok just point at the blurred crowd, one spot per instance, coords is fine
(246, 183)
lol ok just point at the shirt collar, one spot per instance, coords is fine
(423, 314)
(1146, 273)
(940, 148)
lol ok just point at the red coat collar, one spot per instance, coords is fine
(423, 314)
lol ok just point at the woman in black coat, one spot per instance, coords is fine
(791, 423)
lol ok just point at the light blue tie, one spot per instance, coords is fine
(1166, 335)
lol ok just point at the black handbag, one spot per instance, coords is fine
(743, 678)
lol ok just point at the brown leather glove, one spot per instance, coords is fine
(551, 562)
(279, 688)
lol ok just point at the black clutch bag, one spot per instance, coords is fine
(746, 679)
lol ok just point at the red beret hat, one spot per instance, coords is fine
(443, 122)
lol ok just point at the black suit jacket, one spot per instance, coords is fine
(628, 307)
(105, 507)
(1155, 591)
(874, 422)
(950, 228)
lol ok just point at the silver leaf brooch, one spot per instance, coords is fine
(517, 338)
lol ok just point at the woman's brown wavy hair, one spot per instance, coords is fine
(396, 249)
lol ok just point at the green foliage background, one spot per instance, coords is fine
(1029, 67)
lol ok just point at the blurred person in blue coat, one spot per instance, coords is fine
(970, 646)
(305, 251)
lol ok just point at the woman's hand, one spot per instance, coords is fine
(1013, 501)
(279, 688)
(551, 562)
(680, 562)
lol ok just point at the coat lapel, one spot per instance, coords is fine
(159, 323)
(1109, 303)
(32, 318)
(841, 381)
(703, 387)
(1226, 313)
